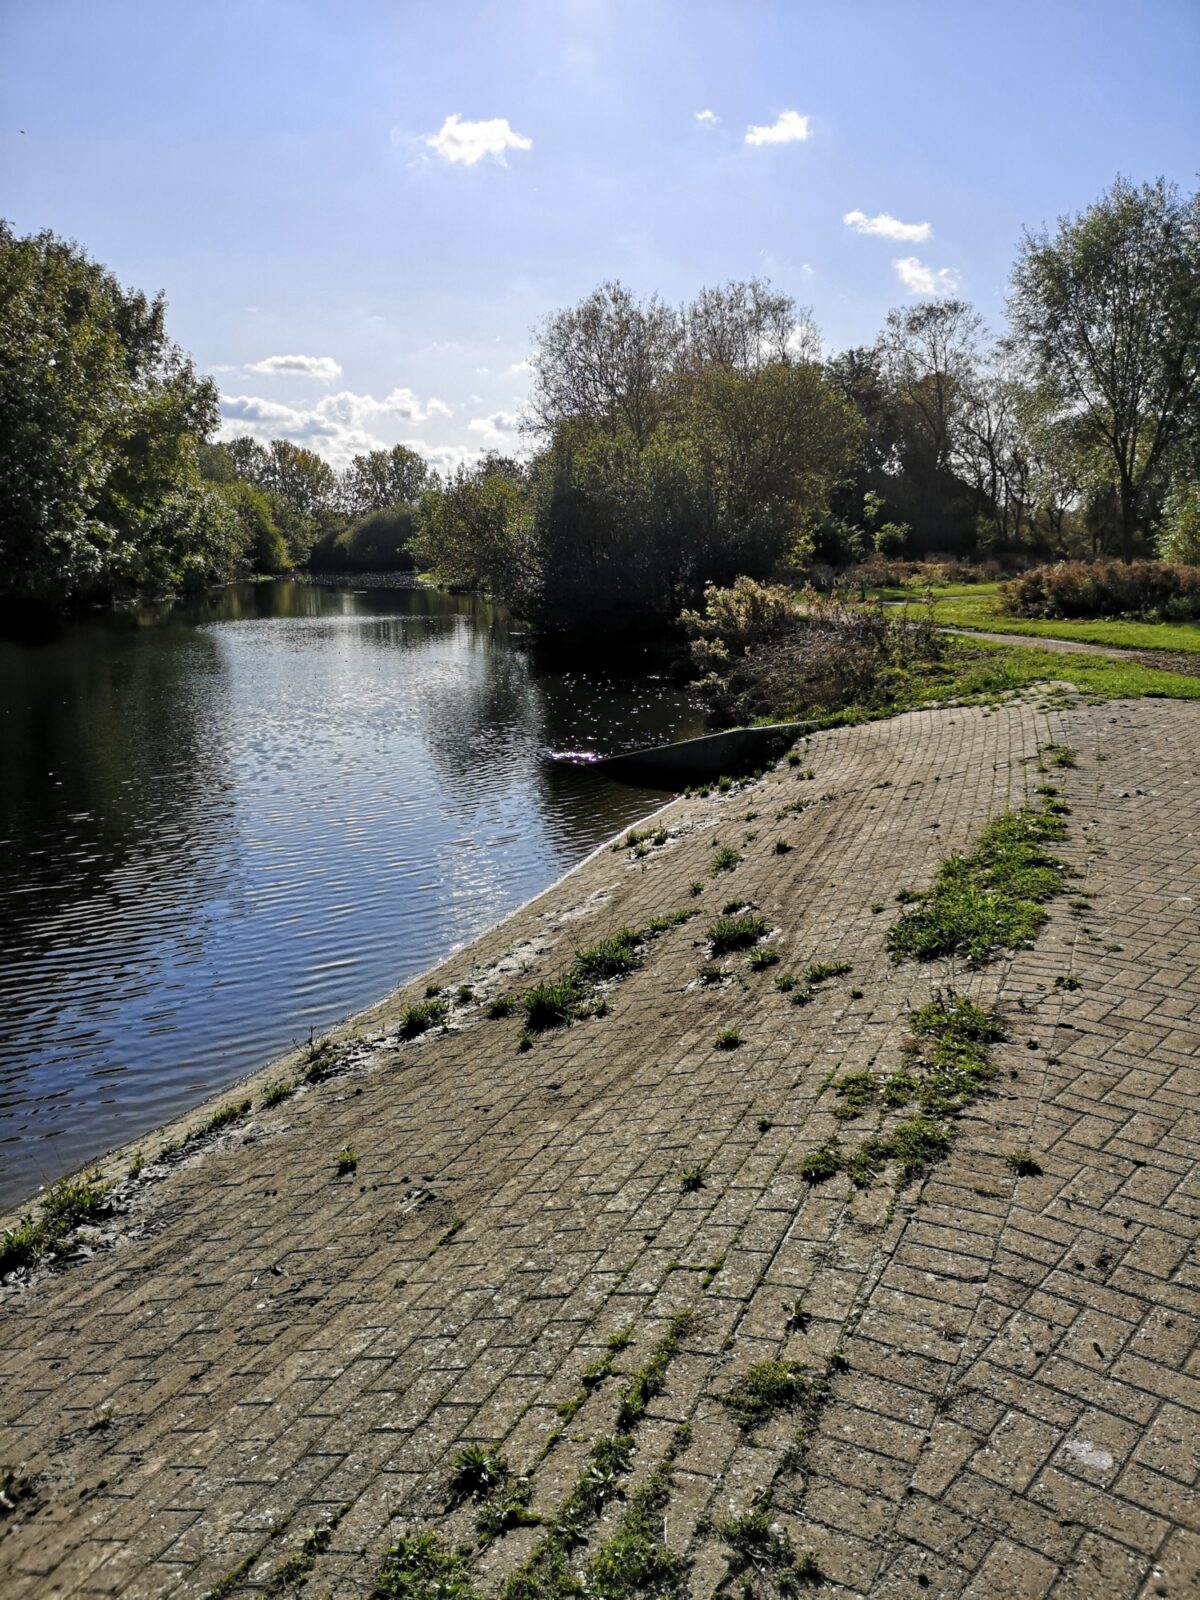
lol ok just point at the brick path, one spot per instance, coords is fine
(269, 1345)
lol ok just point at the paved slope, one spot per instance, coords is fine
(270, 1346)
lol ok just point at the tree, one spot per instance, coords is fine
(1179, 537)
(300, 477)
(382, 478)
(467, 528)
(606, 360)
(929, 355)
(929, 358)
(745, 326)
(261, 542)
(617, 535)
(1107, 315)
(100, 417)
(772, 445)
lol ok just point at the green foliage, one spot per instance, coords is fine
(729, 1039)
(762, 1547)
(468, 529)
(321, 1059)
(221, 1118)
(278, 1091)
(1023, 1164)
(989, 900)
(1105, 314)
(725, 858)
(613, 957)
(422, 1015)
(768, 1388)
(635, 1560)
(650, 1380)
(419, 1567)
(261, 544)
(550, 1005)
(382, 480)
(68, 1204)
(822, 1163)
(347, 1162)
(736, 932)
(100, 494)
(377, 541)
(1179, 531)
(823, 971)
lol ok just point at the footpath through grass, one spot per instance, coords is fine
(976, 606)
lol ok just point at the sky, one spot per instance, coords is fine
(359, 211)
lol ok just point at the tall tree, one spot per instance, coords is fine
(100, 416)
(1107, 314)
(930, 354)
(382, 478)
(605, 360)
(746, 326)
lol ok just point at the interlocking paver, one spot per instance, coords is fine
(264, 1345)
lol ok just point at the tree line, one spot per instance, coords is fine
(670, 447)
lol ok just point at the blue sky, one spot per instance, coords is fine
(269, 165)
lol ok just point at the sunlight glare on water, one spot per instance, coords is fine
(225, 824)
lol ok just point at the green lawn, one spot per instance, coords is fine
(984, 671)
(974, 606)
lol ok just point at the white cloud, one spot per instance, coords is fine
(521, 368)
(323, 367)
(468, 142)
(338, 426)
(888, 227)
(917, 278)
(707, 116)
(786, 129)
(500, 431)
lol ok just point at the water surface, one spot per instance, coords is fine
(223, 824)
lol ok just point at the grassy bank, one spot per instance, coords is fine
(977, 606)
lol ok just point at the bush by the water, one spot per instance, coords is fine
(759, 655)
(378, 542)
(1159, 590)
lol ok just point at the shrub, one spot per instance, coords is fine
(834, 653)
(1149, 589)
(377, 542)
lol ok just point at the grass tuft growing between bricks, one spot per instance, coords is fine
(771, 1387)
(759, 1547)
(635, 1560)
(548, 1573)
(989, 900)
(296, 1570)
(420, 1566)
(737, 932)
(483, 1475)
(572, 997)
(67, 1206)
(423, 1015)
(725, 858)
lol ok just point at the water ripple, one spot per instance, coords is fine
(232, 824)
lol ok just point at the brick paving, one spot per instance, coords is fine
(266, 1345)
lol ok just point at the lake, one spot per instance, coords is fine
(226, 822)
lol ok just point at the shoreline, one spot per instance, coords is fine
(178, 1127)
(653, 1223)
